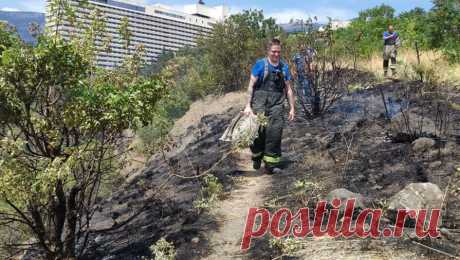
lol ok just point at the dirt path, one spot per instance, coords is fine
(251, 190)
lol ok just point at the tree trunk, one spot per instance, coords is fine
(71, 224)
(59, 216)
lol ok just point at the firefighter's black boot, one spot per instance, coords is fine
(256, 164)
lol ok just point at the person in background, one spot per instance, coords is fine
(310, 54)
(391, 43)
(306, 66)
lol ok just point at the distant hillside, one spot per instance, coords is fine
(297, 27)
(21, 21)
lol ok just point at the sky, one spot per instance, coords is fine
(281, 10)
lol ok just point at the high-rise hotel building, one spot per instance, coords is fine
(158, 28)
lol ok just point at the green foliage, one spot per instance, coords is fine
(368, 28)
(61, 133)
(211, 192)
(163, 250)
(411, 25)
(439, 28)
(287, 246)
(305, 191)
(234, 46)
(355, 87)
(154, 135)
(124, 32)
(445, 27)
(8, 37)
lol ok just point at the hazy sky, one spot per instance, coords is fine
(282, 10)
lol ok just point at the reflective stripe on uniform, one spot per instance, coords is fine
(272, 159)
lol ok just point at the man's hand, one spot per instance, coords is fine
(291, 114)
(389, 36)
(248, 110)
(291, 99)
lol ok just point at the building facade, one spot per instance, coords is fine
(158, 28)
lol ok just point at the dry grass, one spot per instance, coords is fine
(318, 161)
(208, 106)
(432, 63)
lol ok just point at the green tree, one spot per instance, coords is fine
(8, 37)
(366, 30)
(125, 32)
(235, 44)
(412, 27)
(61, 135)
(444, 27)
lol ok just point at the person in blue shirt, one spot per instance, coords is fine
(269, 84)
(391, 43)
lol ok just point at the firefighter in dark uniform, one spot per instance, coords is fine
(269, 85)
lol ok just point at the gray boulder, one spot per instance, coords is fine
(422, 144)
(416, 196)
(344, 195)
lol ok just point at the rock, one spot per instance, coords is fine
(195, 240)
(416, 196)
(435, 164)
(445, 232)
(344, 195)
(422, 144)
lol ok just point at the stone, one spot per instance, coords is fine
(435, 164)
(422, 144)
(195, 240)
(344, 195)
(416, 196)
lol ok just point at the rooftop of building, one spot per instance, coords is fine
(200, 9)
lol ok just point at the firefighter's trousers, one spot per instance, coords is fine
(267, 146)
